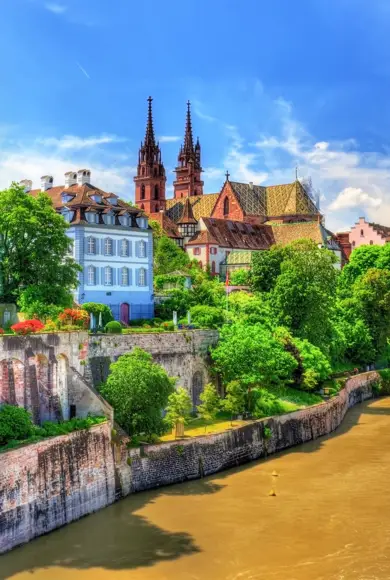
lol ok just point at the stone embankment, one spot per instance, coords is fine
(53, 482)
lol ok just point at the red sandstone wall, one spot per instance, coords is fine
(53, 482)
(235, 211)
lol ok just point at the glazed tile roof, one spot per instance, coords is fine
(382, 230)
(287, 233)
(202, 206)
(235, 234)
(82, 199)
(290, 198)
(187, 217)
(166, 224)
(252, 198)
(240, 257)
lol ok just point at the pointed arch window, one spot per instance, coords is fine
(91, 245)
(226, 206)
(91, 276)
(156, 192)
(143, 191)
(108, 247)
(108, 276)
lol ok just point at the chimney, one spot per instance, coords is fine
(46, 182)
(27, 184)
(70, 178)
(83, 176)
(251, 185)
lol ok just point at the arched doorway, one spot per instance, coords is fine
(197, 388)
(125, 313)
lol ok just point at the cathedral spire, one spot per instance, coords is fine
(188, 139)
(149, 135)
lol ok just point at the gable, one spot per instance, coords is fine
(235, 210)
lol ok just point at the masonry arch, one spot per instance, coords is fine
(12, 382)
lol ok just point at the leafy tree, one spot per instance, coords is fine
(239, 277)
(251, 308)
(252, 355)
(266, 267)
(138, 389)
(361, 260)
(304, 293)
(15, 424)
(316, 366)
(207, 316)
(168, 257)
(158, 233)
(210, 403)
(179, 407)
(178, 300)
(34, 249)
(96, 309)
(235, 400)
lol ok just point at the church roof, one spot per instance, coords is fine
(287, 233)
(252, 198)
(187, 217)
(289, 199)
(235, 234)
(202, 206)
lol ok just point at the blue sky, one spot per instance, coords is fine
(273, 85)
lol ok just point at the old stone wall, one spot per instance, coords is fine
(157, 465)
(53, 482)
(183, 355)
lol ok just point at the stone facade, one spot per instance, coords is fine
(53, 482)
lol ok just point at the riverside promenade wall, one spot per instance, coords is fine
(53, 482)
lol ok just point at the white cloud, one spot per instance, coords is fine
(169, 138)
(354, 197)
(74, 142)
(56, 8)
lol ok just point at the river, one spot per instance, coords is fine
(329, 520)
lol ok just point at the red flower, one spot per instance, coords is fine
(27, 326)
(1, 331)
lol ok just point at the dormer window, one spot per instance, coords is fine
(91, 217)
(124, 220)
(96, 198)
(65, 197)
(112, 200)
(67, 214)
(142, 222)
(108, 218)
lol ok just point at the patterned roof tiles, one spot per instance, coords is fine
(202, 206)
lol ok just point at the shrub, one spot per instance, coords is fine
(96, 309)
(15, 424)
(1, 331)
(179, 407)
(207, 316)
(265, 404)
(27, 327)
(235, 400)
(51, 326)
(239, 277)
(114, 327)
(385, 381)
(168, 325)
(74, 317)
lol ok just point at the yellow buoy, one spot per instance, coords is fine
(275, 474)
(272, 493)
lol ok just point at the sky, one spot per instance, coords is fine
(273, 86)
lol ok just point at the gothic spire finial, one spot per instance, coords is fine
(188, 139)
(149, 135)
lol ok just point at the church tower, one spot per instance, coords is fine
(150, 179)
(188, 172)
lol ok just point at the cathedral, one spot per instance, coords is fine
(221, 230)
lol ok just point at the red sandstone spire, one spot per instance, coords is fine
(188, 172)
(187, 217)
(188, 148)
(150, 179)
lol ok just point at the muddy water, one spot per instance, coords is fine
(330, 520)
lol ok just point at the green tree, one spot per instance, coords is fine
(15, 424)
(361, 260)
(304, 293)
(235, 400)
(179, 407)
(210, 403)
(138, 389)
(168, 257)
(34, 249)
(315, 365)
(253, 356)
(266, 267)
(96, 309)
(251, 309)
(240, 277)
(207, 316)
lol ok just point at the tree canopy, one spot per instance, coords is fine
(34, 250)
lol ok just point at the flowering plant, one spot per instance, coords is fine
(74, 317)
(1, 331)
(27, 326)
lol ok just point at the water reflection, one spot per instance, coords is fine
(329, 520)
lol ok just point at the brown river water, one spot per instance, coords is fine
(330, 520)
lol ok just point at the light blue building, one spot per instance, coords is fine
(112, 243)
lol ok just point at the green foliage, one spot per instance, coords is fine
(266, 267)
(267, 432)
(168, 257)
(33, 302)
(240, 277)
(114, 327)
(175, 280)
(207, 316)
(34, 249)
(179, 407)
(385, 381)
(179, 300)
(210, 403)
(253, 356)
(15, 424)
(303, 295)
(96, 309)
(251, 309)
(235, 399)
(360, 261)
(51, 429)
(138, 389)
(265, 404)
(316, 366)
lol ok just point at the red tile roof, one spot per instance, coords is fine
(234, 234)
(166, 224)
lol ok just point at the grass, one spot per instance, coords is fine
(293, 400)
(196, 427)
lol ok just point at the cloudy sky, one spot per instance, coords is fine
(273, 85)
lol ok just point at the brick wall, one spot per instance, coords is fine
(235, 211)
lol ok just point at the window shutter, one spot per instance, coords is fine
(130, 249)
(113, 271)
(102, 245)
(96, 246)
(96, 276)
(137, 277)
(137, 249)
(113, 242)
(102, 276)
(130, 271)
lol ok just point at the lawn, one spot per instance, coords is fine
(198, 426)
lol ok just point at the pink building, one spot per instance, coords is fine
(368, 234)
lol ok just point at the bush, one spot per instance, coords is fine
(27, 327)
(15, 424)
(114, 327)
(207, 316)
(96, 309)
(168, 326)
(265, 404)
(239, 277)
(51, 429)
(385, 381)
(74, 317)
